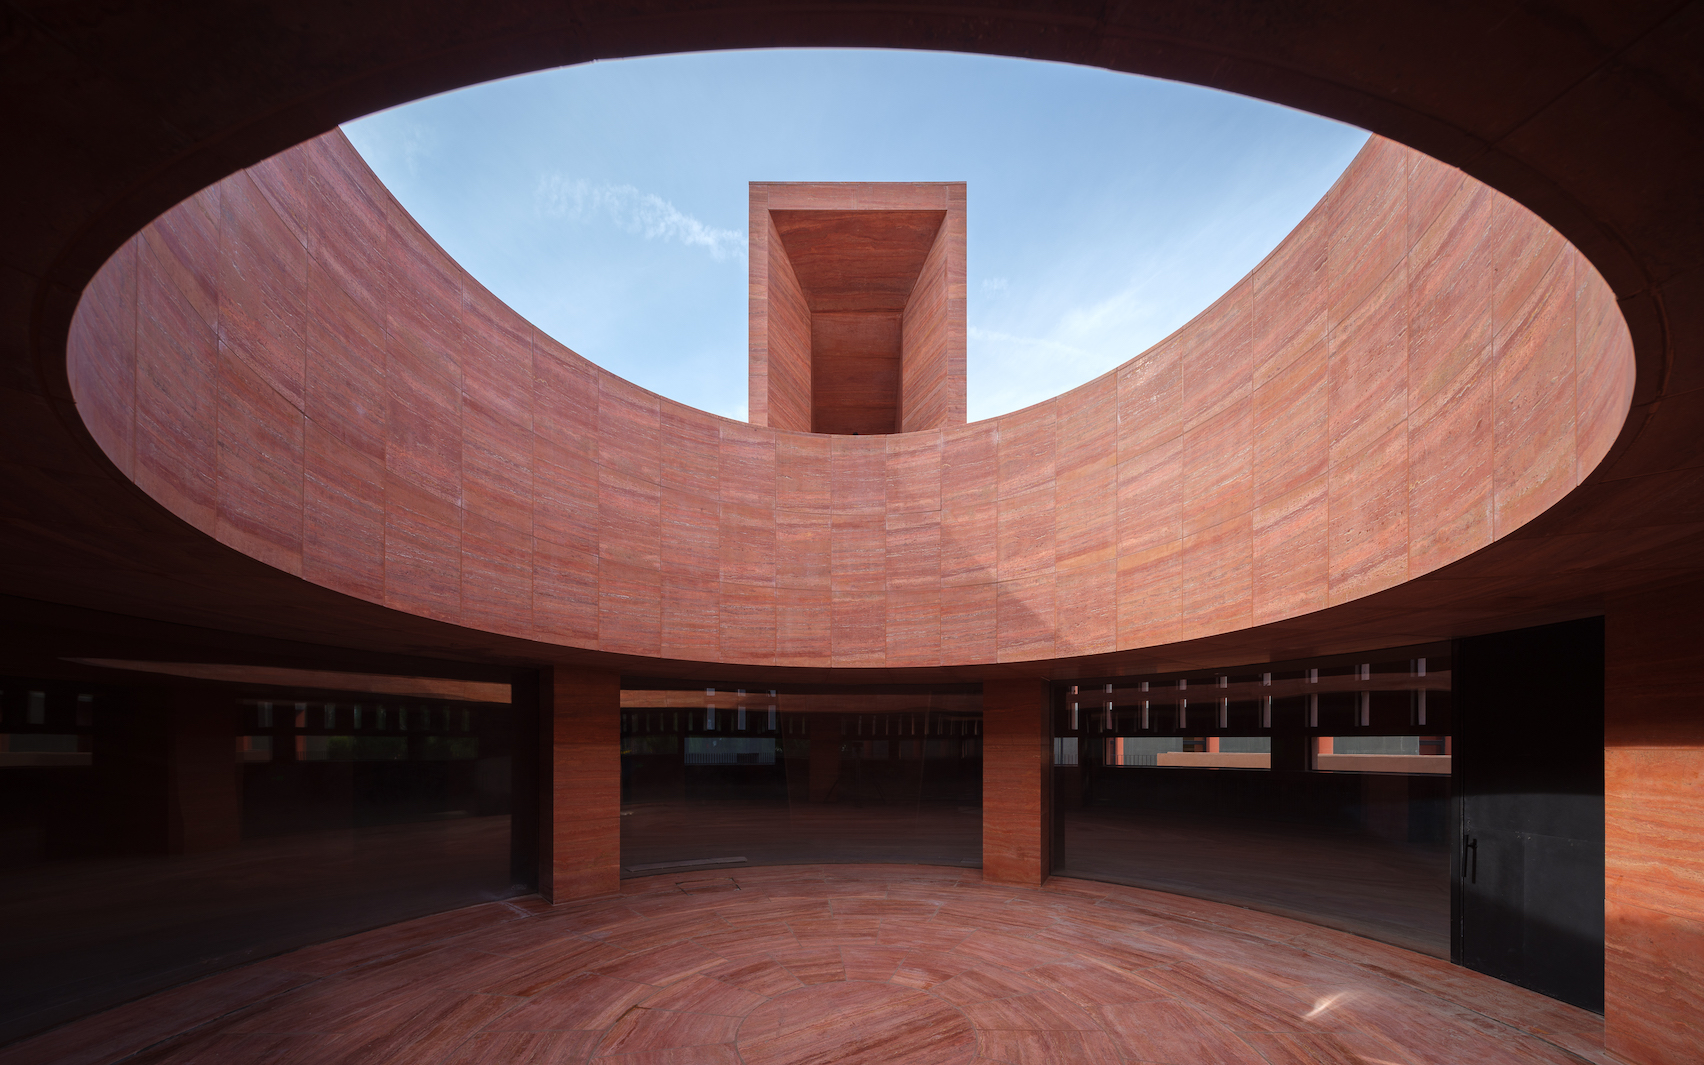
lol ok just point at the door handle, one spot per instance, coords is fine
(1470, 859)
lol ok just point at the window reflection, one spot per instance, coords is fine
(237, 826)
(757, 776)
(1318, 789)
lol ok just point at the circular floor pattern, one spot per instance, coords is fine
(855, 1023)
(796, 964)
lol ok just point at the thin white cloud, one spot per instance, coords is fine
(642, 213)
(978, 333)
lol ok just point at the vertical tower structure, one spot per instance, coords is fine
(857, 306)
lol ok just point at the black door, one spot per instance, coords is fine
(1528, 776)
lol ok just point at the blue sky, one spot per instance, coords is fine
(607, 202)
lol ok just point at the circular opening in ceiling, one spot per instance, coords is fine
(607, 202)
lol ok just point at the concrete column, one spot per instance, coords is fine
(580, 775)
(1017, 794)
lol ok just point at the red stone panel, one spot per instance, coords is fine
(1216, 362)
(1533, 381)
(347, 231)
(1604, 365)
(858, 636)
(1150, 398)
(780, 332)
(1289, 428)
(1218, 593)
(1150, 498)
(914, 624)
(423, 438)
(262, 280)
(969, 512)
(968, 621)
(582, 848)
(746, 617)
(1026, 450)
(1218, 463)
(914, 462)
(1291, 567)
(497, 372)
(497, 470)
(748, 543)
(1369, 228)
(858, 552)
(1288, 308)
(1369, 519)
(344, 378)
(1367, 369)
(1025, 535)
(803, 626)
(343, 516)
(1025, 618)
(1450, 448)
(913, 544)
(802, 472)
(176, 372)
(422, 551)
(691, 565)
(1017, 763)
(496, 576)
(803, 549)
(259, 467)
(1150, 595)
(565, 592)
(629, 608)
(1085, 517)
(1449, 293)
(1085, 614)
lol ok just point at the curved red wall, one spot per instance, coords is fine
(290, 364)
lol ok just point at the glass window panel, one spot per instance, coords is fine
(1341, 822)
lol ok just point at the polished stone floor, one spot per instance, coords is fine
(845, 964)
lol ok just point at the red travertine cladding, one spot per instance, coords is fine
(290, 364)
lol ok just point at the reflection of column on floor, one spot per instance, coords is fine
(173, 779)
(580, 844)
(824, 732)
(1017, 756)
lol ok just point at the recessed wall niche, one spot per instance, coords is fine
(857, 306)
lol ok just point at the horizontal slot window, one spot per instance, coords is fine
(43, 749)
(1190, 752)
(732, 750)
(1382, 754)
(352, 748)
